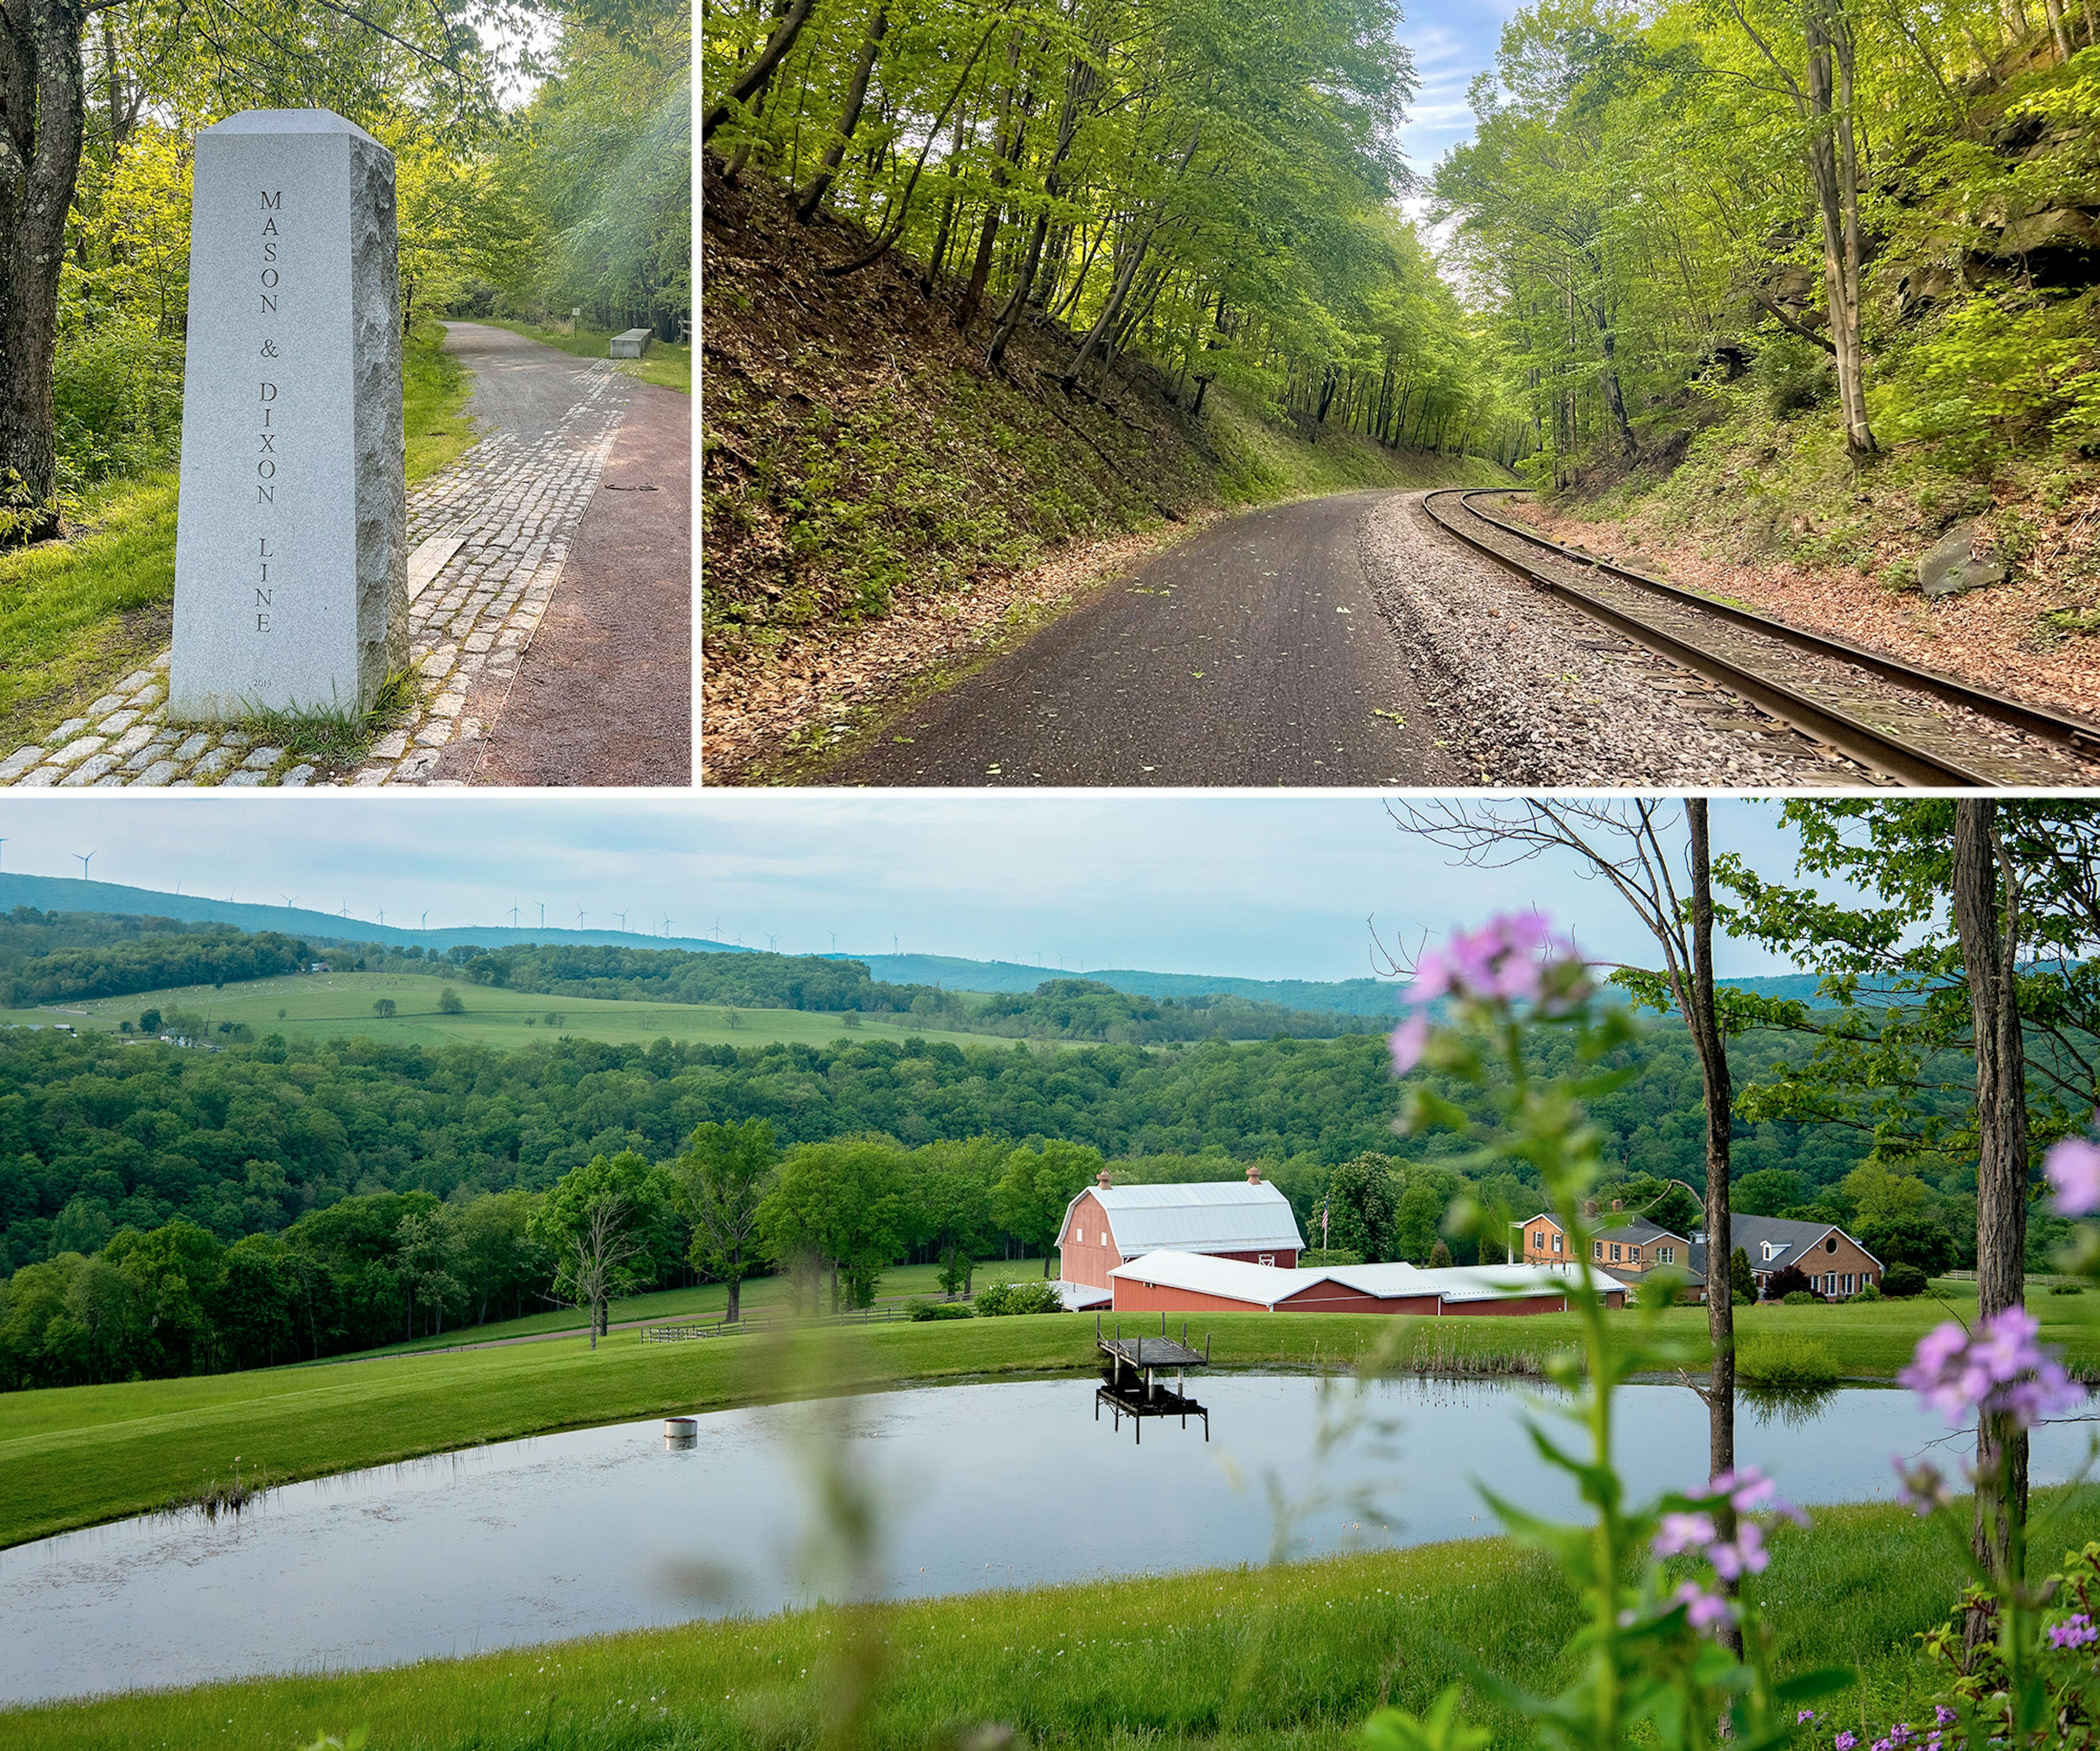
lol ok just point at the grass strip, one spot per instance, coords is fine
(76, 1455)
(1293, 1657)
(78, 614)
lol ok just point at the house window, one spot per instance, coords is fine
(1556, 1243)
(1615, 1252)
(1848, 1282)
(1773, 1248)
(1538, 1239)
(1596, 1249)
(1266, 1258)
(1665, 1255)
(1830, 1242)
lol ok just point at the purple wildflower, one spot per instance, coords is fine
(1900, 1734)
(2073, 1167)
(1680, 1533)
(1998, 1368)
(2075, 1631)
(1749, 1491)
(1746, 1556)
(1702, 1609)
(1944, 1715)
(1844, 1742)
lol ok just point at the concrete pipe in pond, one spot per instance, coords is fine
(680, 1431)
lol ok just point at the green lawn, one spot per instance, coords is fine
(79, 614)
(760, 1295)
(1224, 1659)
(333, 1005)
(74, 1456)
(666, 366)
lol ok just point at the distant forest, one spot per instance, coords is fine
(96, 1135)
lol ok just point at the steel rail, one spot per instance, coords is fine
(1858, 741)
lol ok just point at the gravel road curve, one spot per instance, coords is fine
(1343, 640)
(1251, 653)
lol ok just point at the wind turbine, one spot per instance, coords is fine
(621, 916)
(666, 926)
(772, 942)
(580, 918)
(543, 914)
(513, 914)
(290, 900)
(834, 935)
(426, 921)
(83, 856)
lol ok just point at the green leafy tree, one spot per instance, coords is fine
(719, 1184)
(595, 1221)
(952, 1190)
(840, 1209)
(1362, 1201)
(1037, 1186)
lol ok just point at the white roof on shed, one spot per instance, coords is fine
(1206, 1216)
(1259, 1285)
(1266, 1285)
(1080, 1296)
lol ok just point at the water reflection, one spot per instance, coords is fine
(974, 1486)
(1786, 1407)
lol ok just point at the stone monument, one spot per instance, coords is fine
(291, 538)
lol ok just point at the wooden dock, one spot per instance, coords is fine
(1132, 1371)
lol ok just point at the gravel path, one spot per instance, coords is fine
(1529, 691)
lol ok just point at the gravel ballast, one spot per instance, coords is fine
(1535, 693)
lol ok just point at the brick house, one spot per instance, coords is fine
(1835, 1264)
(1108, 1225)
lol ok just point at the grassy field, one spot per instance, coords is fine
(335, 1005)
(1221, 1659)
(666, 366)
(760, 1295)
(78, 614)
(75, 1455)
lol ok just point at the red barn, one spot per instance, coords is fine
(1108, 1225)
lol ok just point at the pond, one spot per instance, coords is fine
(988, 1485)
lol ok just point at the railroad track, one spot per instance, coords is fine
(1908, 724)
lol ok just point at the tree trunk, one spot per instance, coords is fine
(1990, 956)
(1834, 168)
(1720, 1100)
(769, 57)
(1008, 146)
(735, 1293)
(848, 115)
(43, 101)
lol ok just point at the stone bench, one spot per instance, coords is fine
(631, 344)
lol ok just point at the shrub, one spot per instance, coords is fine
(2055, 1288)
(449, 1004)
(1801, 1298)
(1317, 1258)
(116, 392)
(1868, 1293)
(1785, 1358)
(1903, 1281)
(1003, 1298)
(941, 1309)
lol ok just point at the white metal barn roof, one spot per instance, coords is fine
(1259, 1285)
(1211, 1216)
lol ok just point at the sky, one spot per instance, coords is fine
(1260, 886)
(1452, 40)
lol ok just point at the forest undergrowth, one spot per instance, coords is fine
(881, 509)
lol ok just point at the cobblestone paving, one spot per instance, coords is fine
(513, 500)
